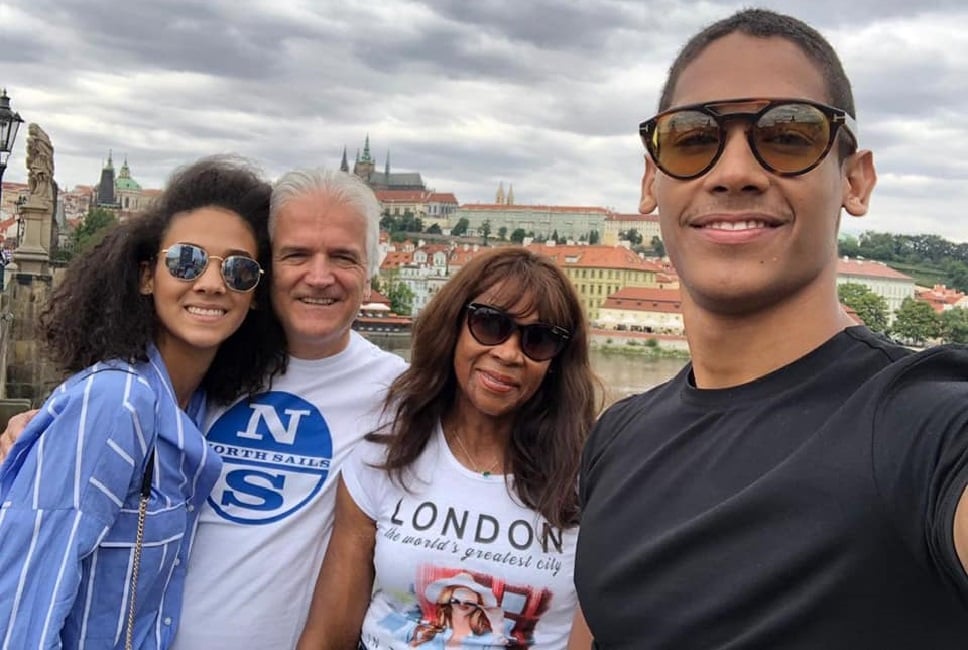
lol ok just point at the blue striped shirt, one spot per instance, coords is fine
(69, 495)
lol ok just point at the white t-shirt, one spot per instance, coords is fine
(458, 561)
(263, 531)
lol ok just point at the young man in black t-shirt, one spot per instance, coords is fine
(801, 483)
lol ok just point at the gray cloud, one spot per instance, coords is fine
(544, 95)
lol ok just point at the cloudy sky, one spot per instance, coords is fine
(542, 94)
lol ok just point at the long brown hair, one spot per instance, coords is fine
(549, 430)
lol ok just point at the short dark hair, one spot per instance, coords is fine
(763, 23)
(98, 313)
(550, 429)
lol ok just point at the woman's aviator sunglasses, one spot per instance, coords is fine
(788, 137)
(491, 326)
(188, 262)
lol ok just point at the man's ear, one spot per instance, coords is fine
(147, 283)
(860, 177)
(647, 202)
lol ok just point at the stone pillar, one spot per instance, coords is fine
(29, 373)
(32, 256)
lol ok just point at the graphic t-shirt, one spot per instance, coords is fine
(263, 531)
(459, 561)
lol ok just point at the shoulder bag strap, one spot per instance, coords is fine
(138, 542)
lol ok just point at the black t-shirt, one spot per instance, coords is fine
(811, 508)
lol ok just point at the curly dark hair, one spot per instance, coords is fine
(98, 313)
(550, 429)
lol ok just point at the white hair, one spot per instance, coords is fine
(342, 187)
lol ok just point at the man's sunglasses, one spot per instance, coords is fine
(788, 137)
(188, 262)
(491, 326)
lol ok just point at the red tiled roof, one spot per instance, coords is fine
(396, 258)
(414, 196)
(614, 257)
(869, 269)
(645, 299)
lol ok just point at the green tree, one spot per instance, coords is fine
(401, 298)
(871, 307)
(916, 322)
(485, 230)
(954, 326)
(657, 246)
(460, 228)
(848, 245)
(518, 235)
(502, 233)
(92, 230)
(956, 275)
(433, 229)
(632, 236)
(594, 237)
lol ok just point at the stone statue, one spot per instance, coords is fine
(40, 165)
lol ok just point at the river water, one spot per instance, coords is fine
(622, 374)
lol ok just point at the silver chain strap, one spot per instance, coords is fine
(138, 543)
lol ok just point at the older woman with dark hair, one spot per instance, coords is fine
(475, 471)
(100, 493)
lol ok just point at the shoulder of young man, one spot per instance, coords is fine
(924, 380)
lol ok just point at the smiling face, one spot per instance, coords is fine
(742, 238)
(195, 317)
(319, 277)
(495, 381)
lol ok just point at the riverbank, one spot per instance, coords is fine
(639, 343)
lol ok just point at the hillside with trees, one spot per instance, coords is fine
(929, 259)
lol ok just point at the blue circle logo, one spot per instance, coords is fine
(276, 450)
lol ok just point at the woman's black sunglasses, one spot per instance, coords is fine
(187, 262)
(491, 326)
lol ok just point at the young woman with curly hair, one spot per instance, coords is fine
(474, 478)
(99, 496)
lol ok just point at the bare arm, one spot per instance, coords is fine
(961, 529)
(345, 580)
(15, 426)
(581, 637)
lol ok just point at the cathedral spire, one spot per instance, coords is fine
(510, 197)
(344, 166)
(499, 197)
(366, 150)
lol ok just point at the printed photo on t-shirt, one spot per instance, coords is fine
(456, 608)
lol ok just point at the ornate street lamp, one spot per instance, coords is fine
(9, 124)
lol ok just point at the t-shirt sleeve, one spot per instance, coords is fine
(65, 482)
(364, 479)
(920, 454)
(608, 426)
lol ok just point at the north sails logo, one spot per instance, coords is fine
(276, 450)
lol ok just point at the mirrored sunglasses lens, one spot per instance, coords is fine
(186, 262)
(792, 137)
(240, 273)
(685, 142)
(489, 326)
